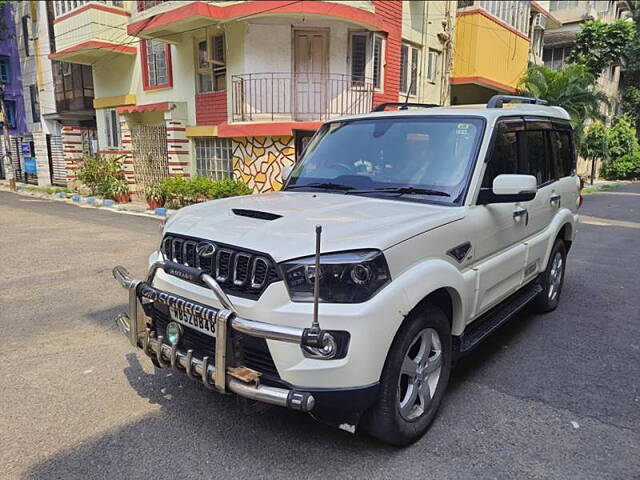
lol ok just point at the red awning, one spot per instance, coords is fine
(149, 107)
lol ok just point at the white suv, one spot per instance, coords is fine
(437, 226)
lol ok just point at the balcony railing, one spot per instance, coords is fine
(299, 96)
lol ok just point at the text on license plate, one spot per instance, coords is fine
(193, 321)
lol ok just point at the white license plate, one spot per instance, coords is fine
(191, 321)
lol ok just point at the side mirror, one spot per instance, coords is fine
(286, 172)
(509, 188)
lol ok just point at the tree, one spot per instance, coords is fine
(623, 151)
(572, 88)
(600, 44)
(631, 80)
(594, 145)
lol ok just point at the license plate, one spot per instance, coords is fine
(192, 321)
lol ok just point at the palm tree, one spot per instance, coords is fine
(572, 88)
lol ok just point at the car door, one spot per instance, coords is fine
(537, 160)
(501, 228)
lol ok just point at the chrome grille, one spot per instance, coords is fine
(239, 272)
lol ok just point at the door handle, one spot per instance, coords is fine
(520, 212)
(554, 200)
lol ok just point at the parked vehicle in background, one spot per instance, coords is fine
(437, 226)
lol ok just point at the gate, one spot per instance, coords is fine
(57, 164)
(150, 156)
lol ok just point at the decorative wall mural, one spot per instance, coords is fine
(258, 161)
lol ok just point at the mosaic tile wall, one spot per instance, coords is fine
(258, 161)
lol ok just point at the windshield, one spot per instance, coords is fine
(418, 158)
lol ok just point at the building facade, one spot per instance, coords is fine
(11, 79)
(494, 43)
(560, 41)
(58, 99)
(235, 89)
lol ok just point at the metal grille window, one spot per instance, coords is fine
(409, 69)
(5, 70)
(378, 64)
(432, 67)
(561, 4)
(555, 58)
(212, 69)
(157, 71)
(112, 128)
(358, 57)
(213, 158)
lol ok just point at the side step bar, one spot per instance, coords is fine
(498, 316)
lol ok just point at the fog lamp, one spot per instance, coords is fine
(173, 333)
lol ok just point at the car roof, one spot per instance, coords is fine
(469, 110)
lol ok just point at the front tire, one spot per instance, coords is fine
(552, 278)
(414, 379)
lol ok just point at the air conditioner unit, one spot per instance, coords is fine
(540, 21)
(215, 47)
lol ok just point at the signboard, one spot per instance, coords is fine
(30, 165)
(26, 149)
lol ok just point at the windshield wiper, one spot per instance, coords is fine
(403, 191)
(325, 185)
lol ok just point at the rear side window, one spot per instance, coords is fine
(537, 161)
(564, 158)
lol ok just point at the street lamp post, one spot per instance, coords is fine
(8, 165)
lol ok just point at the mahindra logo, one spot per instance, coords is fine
(206, 249)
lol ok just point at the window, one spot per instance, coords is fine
(5, 70)
(156, 58)
(564, 157)
(561, 4)
(504, 158)
(358, 58)
(409, 69)
(433, 63)
(10, 109)
(25, 34)
(537, 161)
(35, 103)
(378, 65)
(213, 157)
(212, 75)
(555, 58)
(112, 128)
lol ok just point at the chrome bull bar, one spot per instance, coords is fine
(214, 374)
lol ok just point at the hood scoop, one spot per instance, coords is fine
(241, 212)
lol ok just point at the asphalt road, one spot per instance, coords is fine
(549, 396)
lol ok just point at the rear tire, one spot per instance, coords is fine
(413, 380)
(552, 278)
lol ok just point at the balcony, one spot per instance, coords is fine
(483, 65)
(163, 19)
(269, 97)
(84, 34)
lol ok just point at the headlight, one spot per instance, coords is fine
(345, 277)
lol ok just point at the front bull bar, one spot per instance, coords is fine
(214, 376)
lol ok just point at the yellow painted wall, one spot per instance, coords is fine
(483, 48)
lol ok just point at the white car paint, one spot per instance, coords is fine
(414, 238)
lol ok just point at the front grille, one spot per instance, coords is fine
(248, 351)
(239, 272)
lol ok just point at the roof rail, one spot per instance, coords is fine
(498, 100)
(403, 106)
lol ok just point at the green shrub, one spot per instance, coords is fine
(100, 174)
(181, 191)
(621, 168)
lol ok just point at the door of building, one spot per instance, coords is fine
(150, 155)
(310, 67)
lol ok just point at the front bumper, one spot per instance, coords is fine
(219, 373)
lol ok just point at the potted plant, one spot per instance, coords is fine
(155, 196)
(120, 190)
